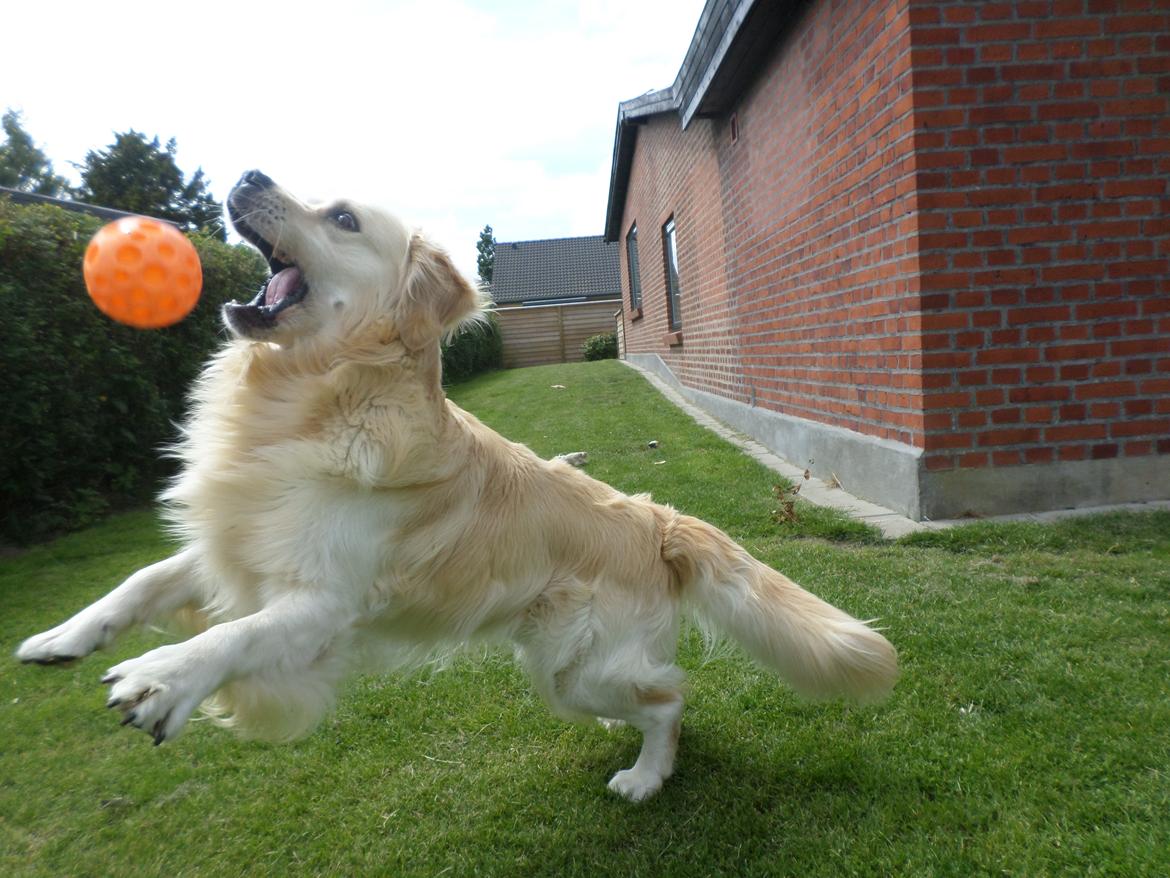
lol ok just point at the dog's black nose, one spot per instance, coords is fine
(256, 178)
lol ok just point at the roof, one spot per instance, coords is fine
(556, 268)
(106, 213)
(732, 40)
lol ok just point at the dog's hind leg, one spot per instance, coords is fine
(614, 660)
(152, 592)
(631, 689)
(658, 715)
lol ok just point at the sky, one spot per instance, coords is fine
(451, 113)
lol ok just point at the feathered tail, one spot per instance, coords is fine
(819, 650)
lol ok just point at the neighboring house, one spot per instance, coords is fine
(924, 246)
(553, 294)
(555, 271)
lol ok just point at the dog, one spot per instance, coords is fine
(336, 512)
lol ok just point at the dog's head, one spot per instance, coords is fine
(341, 270)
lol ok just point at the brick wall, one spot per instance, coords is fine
(1043, 154)
(676, 174)
(943, 223)
(797, 266)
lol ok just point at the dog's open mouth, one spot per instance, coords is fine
(286, 285)
(284, 288)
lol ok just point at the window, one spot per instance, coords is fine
(632, 264)
(670, 252)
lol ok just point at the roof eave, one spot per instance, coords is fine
(631, 114)
(619, 178)
(747, 31)
(738, 15)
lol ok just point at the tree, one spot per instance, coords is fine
(139, 176)
(486, 261)
(22, 165)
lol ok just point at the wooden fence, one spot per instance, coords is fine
(541, 334)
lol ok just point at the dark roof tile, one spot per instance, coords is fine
(556, 268)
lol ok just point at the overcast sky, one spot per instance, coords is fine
(453, 113)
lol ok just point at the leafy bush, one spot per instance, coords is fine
(601, 347)
(477, 348)
(87, 402)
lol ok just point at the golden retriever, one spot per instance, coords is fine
(337, 512)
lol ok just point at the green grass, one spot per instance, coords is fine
(1027, 735)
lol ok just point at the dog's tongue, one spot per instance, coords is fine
(282, 283)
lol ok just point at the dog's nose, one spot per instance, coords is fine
(256, 178)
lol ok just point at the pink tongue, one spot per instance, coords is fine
(283, 283)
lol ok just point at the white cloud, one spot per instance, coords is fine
(454, 113)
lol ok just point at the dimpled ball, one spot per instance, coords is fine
(142, 272)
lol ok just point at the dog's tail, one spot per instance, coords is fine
(819, 650)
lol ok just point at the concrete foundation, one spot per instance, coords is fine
(1067, 485)
(891, 474)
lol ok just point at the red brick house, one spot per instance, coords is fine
(924, 244)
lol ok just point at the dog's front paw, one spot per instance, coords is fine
(157, 692)
(68, 641)
(636, 785)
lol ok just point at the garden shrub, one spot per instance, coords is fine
(89, 403)
(601, 347)
(477, 348)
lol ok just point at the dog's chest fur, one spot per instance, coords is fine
(286, 477)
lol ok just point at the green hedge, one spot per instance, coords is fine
(478, 348)
(89, 403)
(601, 347)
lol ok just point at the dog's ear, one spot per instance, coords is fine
(435, 298)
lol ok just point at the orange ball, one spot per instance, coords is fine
(142, 272)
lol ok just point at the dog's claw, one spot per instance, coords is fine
(51, 660)
(129, 718)
(109, 679)
(113, 702)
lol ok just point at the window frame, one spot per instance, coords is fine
(633, 268)
(673, 286)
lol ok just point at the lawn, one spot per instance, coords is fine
(1027, 736)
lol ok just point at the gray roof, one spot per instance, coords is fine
(556, 268)
(106, 213)
(732, 40)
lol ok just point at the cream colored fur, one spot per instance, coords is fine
(337, 512)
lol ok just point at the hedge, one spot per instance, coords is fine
(89, 403)
(600, 347)
(478, 348)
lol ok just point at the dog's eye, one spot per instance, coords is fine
(344, 220)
